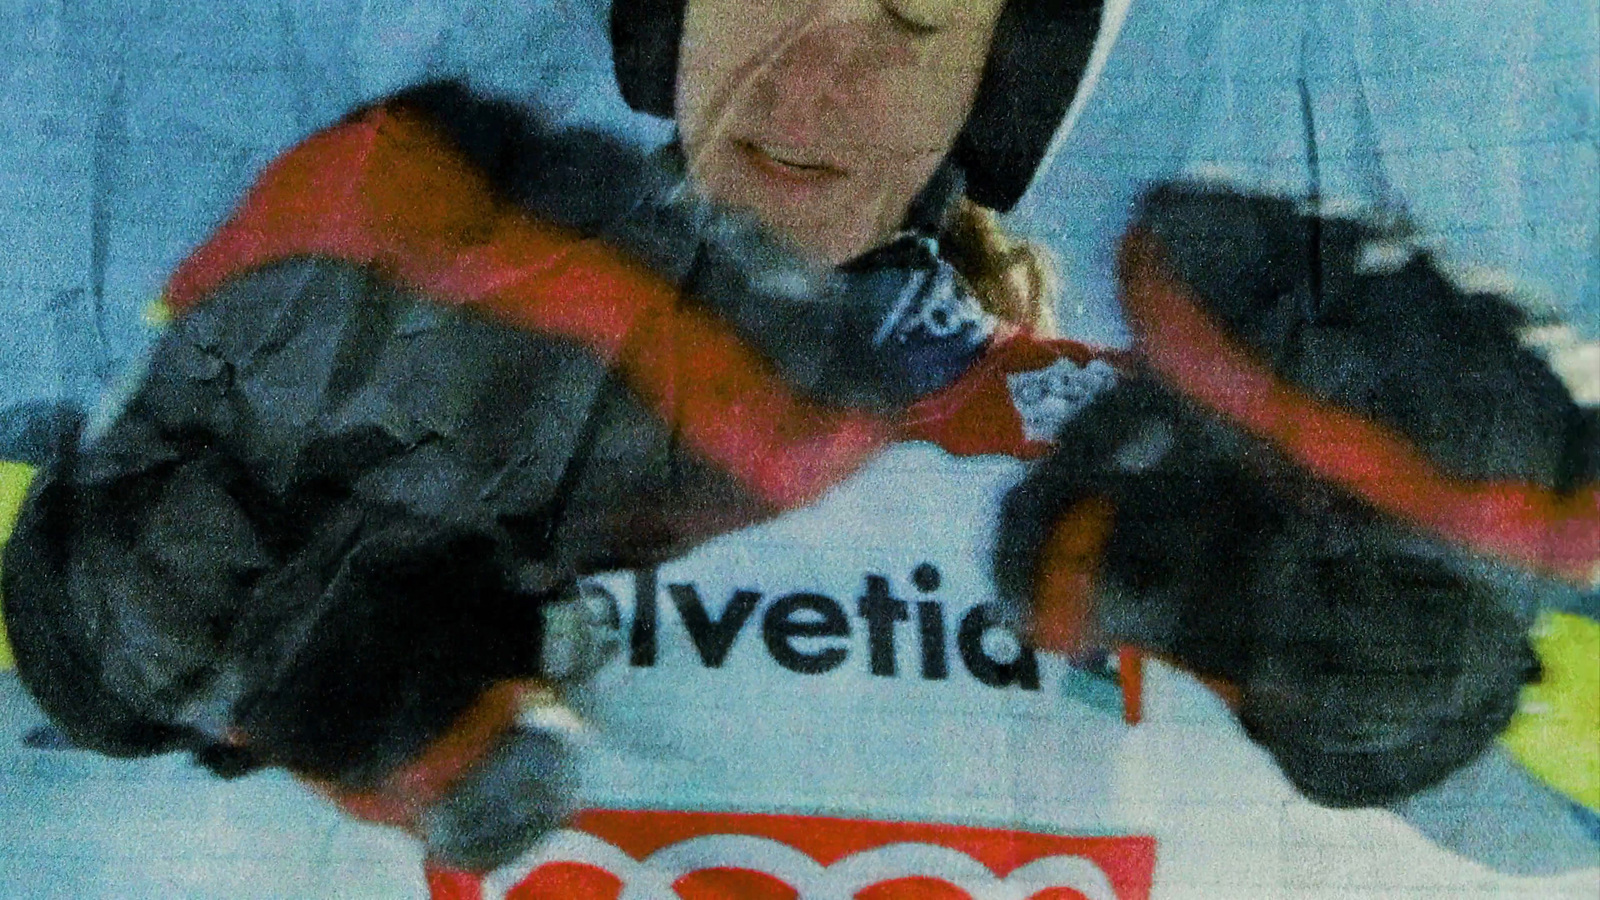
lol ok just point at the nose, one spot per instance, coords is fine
(828, 67)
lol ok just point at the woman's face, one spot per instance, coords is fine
(826, 117)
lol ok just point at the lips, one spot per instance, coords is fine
(792, 164)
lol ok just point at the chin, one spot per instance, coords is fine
(835, 245)
(821, 219)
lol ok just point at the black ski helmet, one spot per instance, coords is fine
(1039, 54)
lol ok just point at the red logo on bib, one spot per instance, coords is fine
(632, 855)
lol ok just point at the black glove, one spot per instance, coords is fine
(1337, 481)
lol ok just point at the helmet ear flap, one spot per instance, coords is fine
(1039, 53)
(644, 53)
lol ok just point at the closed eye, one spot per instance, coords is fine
(908, 26)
